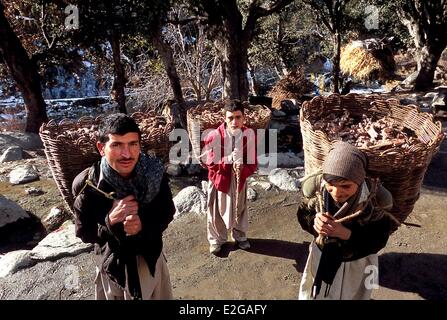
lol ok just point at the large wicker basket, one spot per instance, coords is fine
(70, 146)
(211, 115)
(400, 170)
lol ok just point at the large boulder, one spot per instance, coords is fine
(60, 243)
(27, 141)
(10, 211)
(12, 154)
(287, 180)
(23, 174)
(191, 199)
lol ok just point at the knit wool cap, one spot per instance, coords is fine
(346, 161)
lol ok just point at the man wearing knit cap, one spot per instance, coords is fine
(345, 211)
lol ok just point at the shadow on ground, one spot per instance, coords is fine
(421, 273)
(274, 248)
(436, 174)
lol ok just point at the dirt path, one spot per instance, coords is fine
(412, 266)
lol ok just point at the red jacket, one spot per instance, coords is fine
(218, 171)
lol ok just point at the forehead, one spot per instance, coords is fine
(341, 183)
(125, 138)
(233, 114)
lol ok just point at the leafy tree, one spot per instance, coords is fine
(25, 73)
(232, 25)
(193, 52)
(287, 40)
(427, 23)
(331, 14)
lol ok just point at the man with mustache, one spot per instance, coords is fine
(123, 204)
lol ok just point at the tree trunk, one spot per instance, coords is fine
(24, 71)
(119, 80)
(427, 61)
(281, 49)
(426, 25)
(336, 71)
(167, 57)
(235, 60)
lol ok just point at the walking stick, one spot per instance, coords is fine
(330, 259)
(237, 167)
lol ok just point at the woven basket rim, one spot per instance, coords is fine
(373, 98)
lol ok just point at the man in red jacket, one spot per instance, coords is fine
(230, 159)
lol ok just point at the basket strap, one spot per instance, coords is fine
(310, 175)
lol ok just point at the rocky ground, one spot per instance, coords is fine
(412, 266)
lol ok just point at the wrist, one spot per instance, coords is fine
(345, 234)
(111, 220)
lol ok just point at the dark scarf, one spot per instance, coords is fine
(144, 183)
(332, 207)
(331, 253)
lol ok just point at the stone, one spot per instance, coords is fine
(12, 154)
(34, 191)
(23, 174)
(55, 218)
(284, 180)
(13, 261)
(251, 194)
(10, 211)
(190, 200)
(60, 243)
(261, 184)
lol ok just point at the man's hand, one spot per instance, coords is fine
(123, 208)
(132, 224)
(325, 225)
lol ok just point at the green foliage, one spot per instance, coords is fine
(301, 38)
(388, 23)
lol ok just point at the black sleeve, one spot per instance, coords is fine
(88, 209)
(306, 217)
(367, 239)
(162, 211)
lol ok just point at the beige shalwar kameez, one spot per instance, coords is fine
(354, 280)
(152, 288)
(222, 214)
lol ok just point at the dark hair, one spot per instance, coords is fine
(330, 178)
(233, 105)
(118, 123)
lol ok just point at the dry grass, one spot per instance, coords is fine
(363, 64)
(292, 86)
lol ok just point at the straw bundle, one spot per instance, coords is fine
(292, 86)
(364, 61)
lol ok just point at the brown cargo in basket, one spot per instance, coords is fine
(401, 170)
